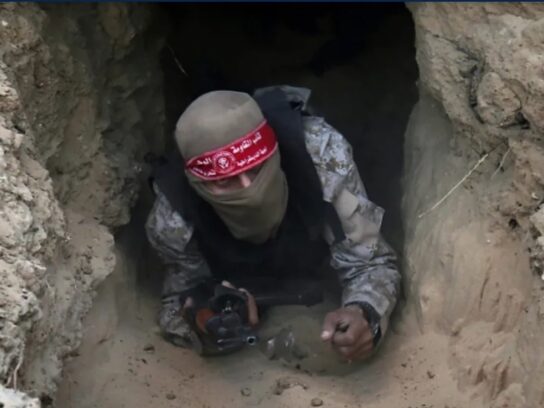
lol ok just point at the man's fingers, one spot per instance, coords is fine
(188, 303)
(335, 323)
(362, 348)
(363, 351)
(343, 339)
(329, 325)
(361, 345)
(346, 352)
(351, 336)
(252, 311)
(355, 351)
(228, 284)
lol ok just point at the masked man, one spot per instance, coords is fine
(264, 188)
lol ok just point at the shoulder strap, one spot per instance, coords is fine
(302, 178)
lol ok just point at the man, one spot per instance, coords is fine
(262, 188)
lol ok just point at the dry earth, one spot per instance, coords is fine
(80, 104)
(123, 362)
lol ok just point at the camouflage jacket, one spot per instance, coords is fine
(365, 263)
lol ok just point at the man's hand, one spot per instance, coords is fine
(348, 332)
(253, 313)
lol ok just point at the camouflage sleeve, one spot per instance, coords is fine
(170, 235)
(365, 263)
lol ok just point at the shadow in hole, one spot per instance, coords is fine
(359, 60)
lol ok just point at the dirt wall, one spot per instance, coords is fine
(80, 104)
(474, 263)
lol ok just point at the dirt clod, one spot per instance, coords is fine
(246, 392)
(316, 402)
(170, 396)
(284, 383)
(149, 348)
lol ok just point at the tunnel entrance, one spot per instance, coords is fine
(87, 91)
(359, 62)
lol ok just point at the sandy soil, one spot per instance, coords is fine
(123, 362)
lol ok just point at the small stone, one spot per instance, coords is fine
(284, 383)
(430, 374)
(246, 392)
(170, 396)
(149, 348)
(316, 402)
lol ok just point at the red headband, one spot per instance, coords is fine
(236, 157)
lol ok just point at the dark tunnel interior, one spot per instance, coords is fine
(358, 60)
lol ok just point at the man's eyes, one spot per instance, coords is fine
(224, 182)
(234, 181)
(255, 170)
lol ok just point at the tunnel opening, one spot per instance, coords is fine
(358, 62)
(88, 92)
